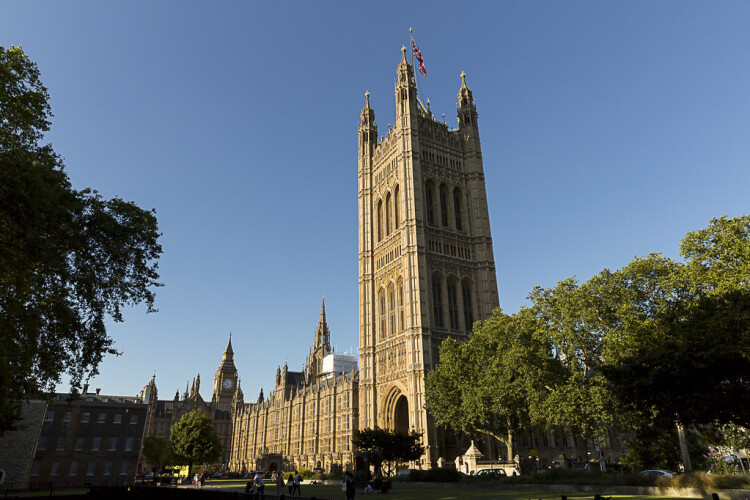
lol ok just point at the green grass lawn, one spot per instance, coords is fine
(442, 491)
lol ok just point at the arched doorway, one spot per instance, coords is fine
(401, 415)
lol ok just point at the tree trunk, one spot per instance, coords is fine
(684, 448)
(509, 446)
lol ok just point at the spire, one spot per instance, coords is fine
(229, 352)
(322, 334)
(323, 311)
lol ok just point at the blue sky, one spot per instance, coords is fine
(609, 130)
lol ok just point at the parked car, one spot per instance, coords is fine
(654, 473)
(491, 473)
(403, 472)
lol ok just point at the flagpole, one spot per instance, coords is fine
(411, 49)
(413, 68)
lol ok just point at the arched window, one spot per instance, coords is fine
(457, 208)
(381, 304)
(400, 305)
(444, 205)
(395, 208)
(430, 202)
(452, 304)
(392, 309)
(437, 301)
(468, 310)
(388, 214)
(380, 219)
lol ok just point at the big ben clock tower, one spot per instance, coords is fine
(225, 380)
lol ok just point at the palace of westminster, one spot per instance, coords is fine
(426, 273)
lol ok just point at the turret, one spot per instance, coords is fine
(368, 130)
(466, 113)
(405, 92)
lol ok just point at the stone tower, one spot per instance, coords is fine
(225, 380)
(426, 267)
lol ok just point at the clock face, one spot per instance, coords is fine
(227, 384)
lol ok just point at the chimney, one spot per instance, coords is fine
(98, 390)
(86, 387)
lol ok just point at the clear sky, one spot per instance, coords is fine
(609, 130)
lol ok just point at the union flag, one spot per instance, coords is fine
(419, 57)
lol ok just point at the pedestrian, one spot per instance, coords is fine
(279, 483)
(203, 478)
(297, 483)
(259, 484)
(349, 485)
(290, 483)
(196, 480)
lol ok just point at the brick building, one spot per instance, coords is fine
(91, 440)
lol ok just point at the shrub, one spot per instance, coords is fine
(436, 475)
(306, 474)
(704, 481)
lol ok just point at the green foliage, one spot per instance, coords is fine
(389, 447)
(495, 382)
(193, 440)
(716, 463)
(306, 474)
(69, 259)
(636, 349)
(652, 447)
(157, 452)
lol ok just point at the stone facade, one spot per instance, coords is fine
(426, 273)
(163, 414)
(426, 265)
(306, 422)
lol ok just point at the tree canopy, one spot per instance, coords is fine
(389, 448)
(69, 259)
(639, 349)
(157, 452)
(193, 440)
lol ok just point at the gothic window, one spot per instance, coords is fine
(468, 311)
(437, 301)
(380, 219)
(452, 304)
(400, 305)
(430, 195)
(395, 209)
(392, 309)
(381, 303)
(444, 205)
(457, 209)
(388, 214)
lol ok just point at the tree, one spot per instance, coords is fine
(69, 259)
(388, 448)
(157, 452)
(194, 441)
(493, 383)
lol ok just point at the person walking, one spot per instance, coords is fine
(297, 483)
(259, 484)
(349, 485)
(290, 483)
(279, 483)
